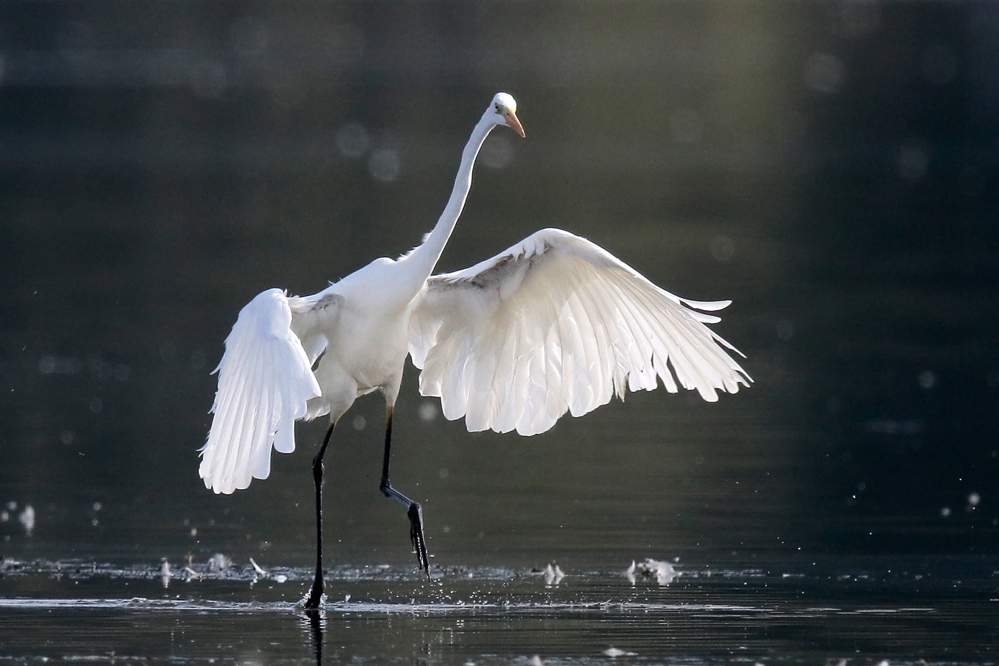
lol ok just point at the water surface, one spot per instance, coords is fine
(821, 612)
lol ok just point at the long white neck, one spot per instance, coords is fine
(424, 258)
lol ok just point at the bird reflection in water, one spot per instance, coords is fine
(316, 619)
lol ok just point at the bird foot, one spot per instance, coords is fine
(316, 597)
(415, 514)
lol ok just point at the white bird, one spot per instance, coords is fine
(553, 324)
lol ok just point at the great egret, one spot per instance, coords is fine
(553, 324)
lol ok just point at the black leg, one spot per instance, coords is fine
(316, 592)
(415, 513)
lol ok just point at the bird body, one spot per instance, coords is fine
(553, 324)
(359, 326)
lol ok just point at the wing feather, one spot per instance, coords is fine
(638, 347)
(690, 367)
(265, 383)
(558, 324)
(707, 367)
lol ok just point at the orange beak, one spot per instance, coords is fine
(514, 123)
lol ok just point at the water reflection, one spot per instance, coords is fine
(317, 623)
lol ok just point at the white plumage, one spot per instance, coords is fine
(558, 324)
(553, 324)
(265, 381)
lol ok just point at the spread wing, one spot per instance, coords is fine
(265, 382)
(558, 324)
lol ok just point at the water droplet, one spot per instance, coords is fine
(927, 379)
(27, 519)
(428, 411)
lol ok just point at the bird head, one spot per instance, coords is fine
(503, 111)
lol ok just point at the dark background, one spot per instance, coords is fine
(829, 166)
